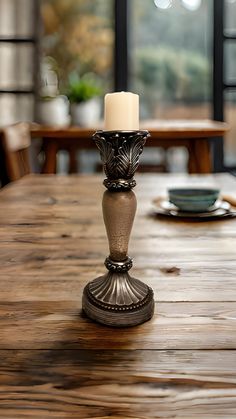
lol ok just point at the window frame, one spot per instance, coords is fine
(121, 65)
(33, 40)
(220, 37)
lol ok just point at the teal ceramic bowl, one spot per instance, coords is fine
(193, 199)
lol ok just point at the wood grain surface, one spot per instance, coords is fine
(55, 363)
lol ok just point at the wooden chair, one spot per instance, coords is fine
(16, 141)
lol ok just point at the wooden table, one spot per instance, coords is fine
(195, 135)
(55, 363)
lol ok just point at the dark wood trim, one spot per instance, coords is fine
(121, 45)
(230, 86)
(4, 179)
(218, 80)
(17, 40)
(218, 60)
(37, 54)
(229, 36)
(17, 91)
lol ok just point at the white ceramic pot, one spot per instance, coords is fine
(54, 111)
(86, 114)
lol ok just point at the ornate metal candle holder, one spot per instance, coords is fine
(116, 298)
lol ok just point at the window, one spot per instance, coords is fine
(230, 80)
(171, 58)
(17, 58)
(78, 38)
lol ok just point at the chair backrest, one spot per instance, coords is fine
(16, 141)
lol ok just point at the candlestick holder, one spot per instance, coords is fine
(116, 298)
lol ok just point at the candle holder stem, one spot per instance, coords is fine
(116, 298)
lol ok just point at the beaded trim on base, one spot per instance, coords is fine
(119, 184)
(116, 308)
(122, 318)
(113, 266)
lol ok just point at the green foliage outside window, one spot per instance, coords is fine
(167, 74)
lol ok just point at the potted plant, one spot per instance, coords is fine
(54, 111)
(83, 94)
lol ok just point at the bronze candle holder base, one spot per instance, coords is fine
(116, 298)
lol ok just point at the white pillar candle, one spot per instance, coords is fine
(121, 111)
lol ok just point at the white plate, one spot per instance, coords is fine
(218, 210)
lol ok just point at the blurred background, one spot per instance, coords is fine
(178, 55)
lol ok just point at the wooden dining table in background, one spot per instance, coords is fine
(56, 363)
(195, 135)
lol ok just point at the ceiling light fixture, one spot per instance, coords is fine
(163, 4)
